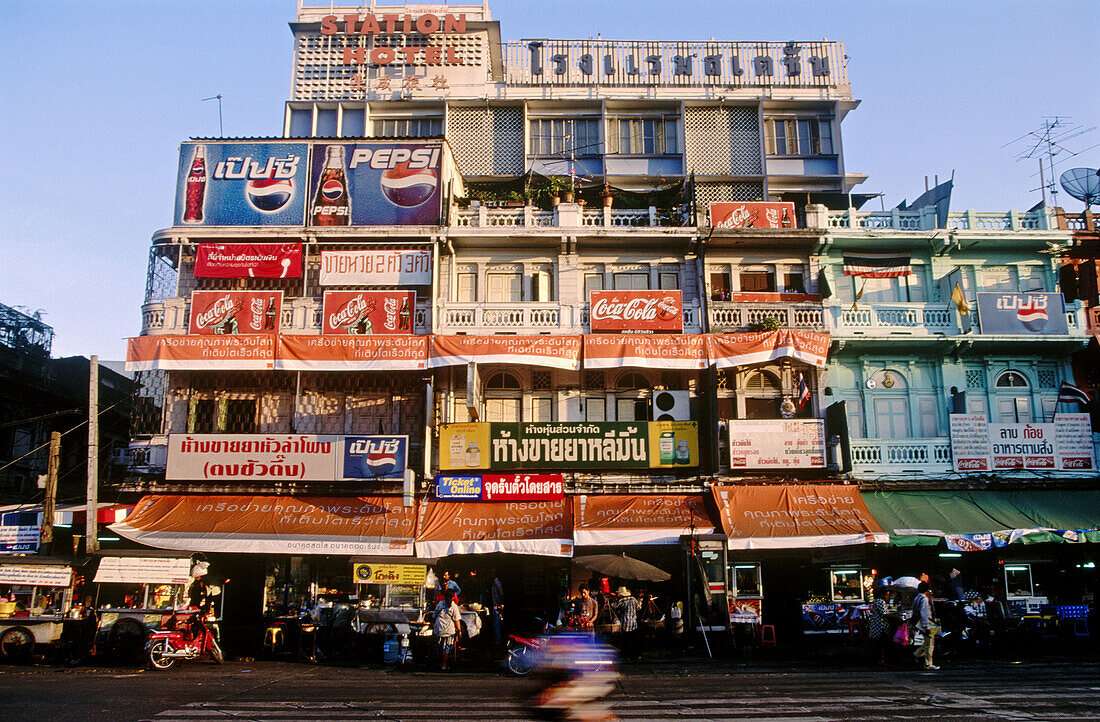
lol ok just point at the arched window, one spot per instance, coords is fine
(502, 381)
(1012, 398)
(1011, 379)
(503, 397)
(633, 381)
(763, 395)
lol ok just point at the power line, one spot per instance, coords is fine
(44, 445)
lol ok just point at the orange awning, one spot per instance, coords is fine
(562, 352)
(273, 524)
(544, 528)
(796, 516)
(195, 352)
(739, 349)
(351, 353)
(663, 351)
(611, 519)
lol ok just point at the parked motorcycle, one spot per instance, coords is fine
(186, 635)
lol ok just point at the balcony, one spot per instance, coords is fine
(891, 320)
(925, 220)
(729, 316)
(890, 457)
(563, 215)
(169, 316)
(522, 318)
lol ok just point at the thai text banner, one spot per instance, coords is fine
(381, 267)
(248, 260)
(1023, 314)
(569, 445)
(251, 457)
(241, 184)
(777, 444)
(980, 446)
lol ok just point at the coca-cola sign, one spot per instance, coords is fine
(217, 313)
(636, 311)
(368, 312)
(752, 215)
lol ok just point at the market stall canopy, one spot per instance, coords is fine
(738, 349)
(544, 528)
(562, 352)
(976, 520)
(621, 566)
(273, 524)
(663, 351)
(795, 517)
(621, 519)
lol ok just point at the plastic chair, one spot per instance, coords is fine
(767, 635)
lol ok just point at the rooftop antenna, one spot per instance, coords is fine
(218, 97)
(1083, 184)
(1048, 142)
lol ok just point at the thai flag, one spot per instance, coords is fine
(877, 265)
(803, 390)
(1070, 394)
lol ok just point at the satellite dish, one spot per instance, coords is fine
(1083, 184)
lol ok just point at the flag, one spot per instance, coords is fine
(960, 300)
(823, 286)
(859, 295)
(1070, 394)
(877, 265)
(803, 390)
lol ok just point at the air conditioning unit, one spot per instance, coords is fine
(672, 406)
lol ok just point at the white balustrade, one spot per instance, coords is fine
(167, 316)
(900, 456)
(892, 319)
(488, 317)
(734, 316)
(925, 219)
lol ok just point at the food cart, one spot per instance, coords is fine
(845, 605)
(38, 594)
(133, 595)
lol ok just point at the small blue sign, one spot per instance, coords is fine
(458, 488)
(1022, 314)
(375, 457)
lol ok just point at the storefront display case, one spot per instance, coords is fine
(745, 593)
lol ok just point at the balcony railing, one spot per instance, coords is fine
(566, 214)
(900, 456)
(493, 317)
(169, 316)
(925, 220)
(892, 319)
(728, 316)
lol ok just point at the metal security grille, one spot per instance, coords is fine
(1047, 377)
(706, 193)
(147, 404)
(975, 379)
(487, 141)
(722, 141)
(160, 281)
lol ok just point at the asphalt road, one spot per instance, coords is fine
(1060, 690)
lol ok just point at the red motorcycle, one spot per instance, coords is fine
(185, 636)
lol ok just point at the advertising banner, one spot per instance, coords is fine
(226, 313)
(636, 311)
(45, 575)
(744, 611)
(522, 487)
(251, 457)
(241, 184)
(375, 184)
(616, 519)
(375, 457)
(351, 353)
(795, 516)
(777, 444)
(273, 524)
(18, 539)
(569, 445)
(254, 352)
(390, 574)
(563, 352)
(1022, 314)
(668, 351)
(368, 312)
(248, 260)
(752, 215)
(458, 488)
(144, 570)
(1064, 445)
(544, 528)
(377, 267)
(738, 349)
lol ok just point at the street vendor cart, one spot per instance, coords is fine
(37, 596)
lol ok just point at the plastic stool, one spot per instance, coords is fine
(1080, 627)
(767, 635)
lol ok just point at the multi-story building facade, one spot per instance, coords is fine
(622, 271)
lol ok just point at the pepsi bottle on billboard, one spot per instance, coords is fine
(195, 187)
(331, 205)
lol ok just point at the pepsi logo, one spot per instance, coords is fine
(379, 463)
(332, 189)
(407, 187)
(1033, 319)
(269, 195)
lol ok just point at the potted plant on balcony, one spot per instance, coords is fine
(606, 195)
(768, 323)
(556, 187)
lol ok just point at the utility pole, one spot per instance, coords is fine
(46, 537)
(91, 520)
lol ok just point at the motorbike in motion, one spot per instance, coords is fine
(185, 635)
(578, 673)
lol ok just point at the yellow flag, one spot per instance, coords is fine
(960, 300)
(859, 295)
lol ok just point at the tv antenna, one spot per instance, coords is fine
(1048, 142)
(218, 97)
(1083, 184)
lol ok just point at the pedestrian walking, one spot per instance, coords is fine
(925, 623)
(446, 627)
(496, 607)
(626, 607)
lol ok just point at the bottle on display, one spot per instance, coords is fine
(195, 190)
(404, 315)
(269, 316)
(331, 205)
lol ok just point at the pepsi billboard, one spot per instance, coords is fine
(242, 184)
(375, 184)
(1022, 314)
(375, 458)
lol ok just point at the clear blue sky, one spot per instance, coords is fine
(98, 95)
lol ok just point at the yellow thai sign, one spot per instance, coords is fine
(389, 573)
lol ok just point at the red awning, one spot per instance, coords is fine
(739, 349)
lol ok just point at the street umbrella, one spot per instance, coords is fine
(623, 567)
(910, 582)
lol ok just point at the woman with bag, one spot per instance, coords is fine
(446, 627)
